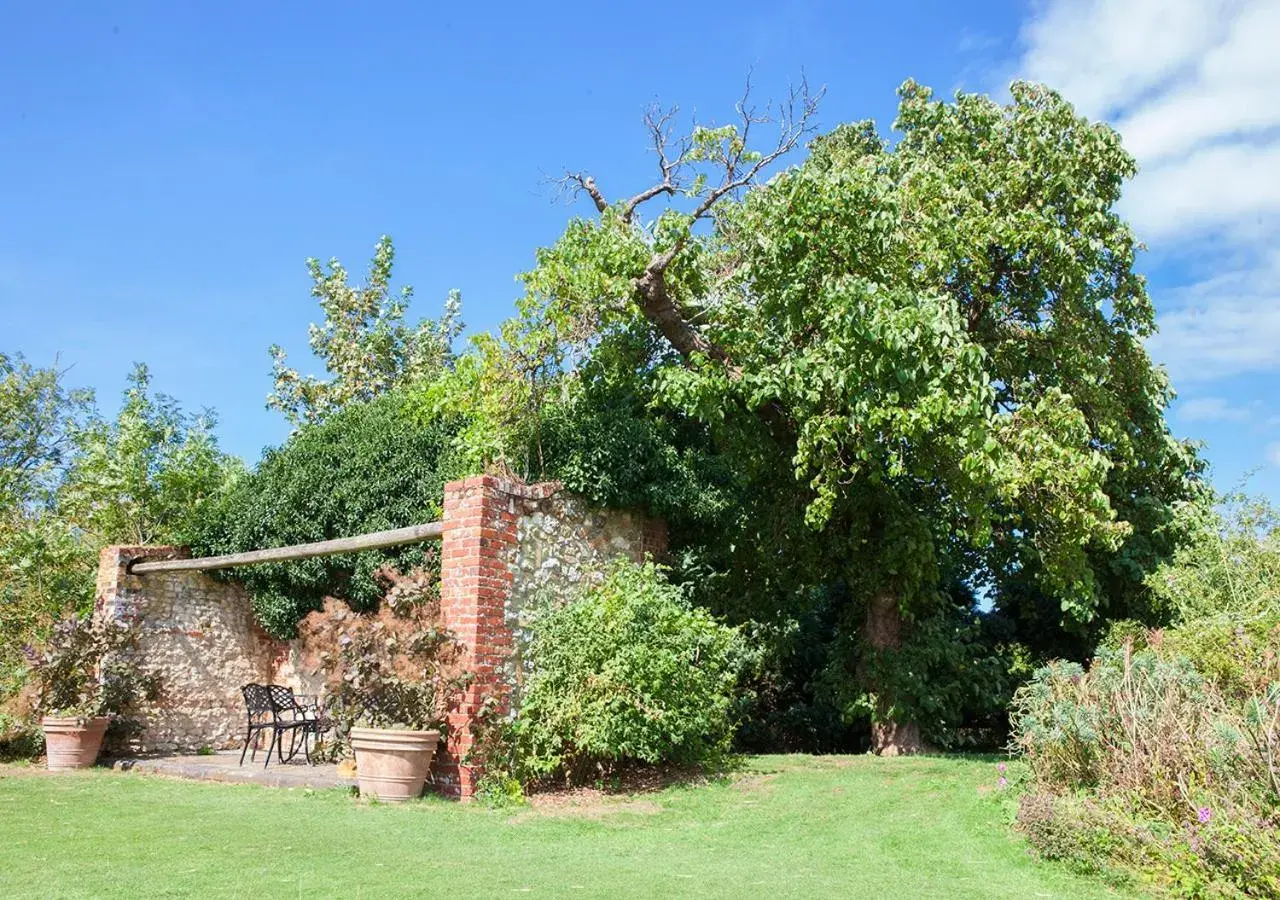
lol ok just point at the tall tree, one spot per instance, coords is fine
(38, 416)
(942, 335)
(143, 477)
(364, 342)
(45, 566)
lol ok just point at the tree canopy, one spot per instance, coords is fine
(364, 342)
(932, 345)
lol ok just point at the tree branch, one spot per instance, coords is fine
(658, 121)
(579, 182)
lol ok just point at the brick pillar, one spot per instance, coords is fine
(478, 545)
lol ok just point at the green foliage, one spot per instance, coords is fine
(1170, 774)
(1228, 567)
(146, 477)
(69, 483)
(954, 674)
(922, 360)
(368, 467)
(364, 342)
(46, 567)
(39, 415)
(629, 672)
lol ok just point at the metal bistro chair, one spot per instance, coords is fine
(316, 721)
(273, 707)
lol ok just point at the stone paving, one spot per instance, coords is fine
(225, 766)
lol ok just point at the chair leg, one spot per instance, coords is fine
(248, 736)
(293, 746)
(267, 759)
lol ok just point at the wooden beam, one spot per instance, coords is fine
(394, 537)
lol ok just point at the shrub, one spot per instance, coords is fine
(1141, 761)
(630, 672)
(83, 670)
(369, 467)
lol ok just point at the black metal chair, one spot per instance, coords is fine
(263, 713)
(310, 711)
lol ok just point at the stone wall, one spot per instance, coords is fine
(199, 636)
(509, 550)
(562, 545)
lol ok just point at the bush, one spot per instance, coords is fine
(369, 467)
(630, 672)
(1141, 761)
(83, 670)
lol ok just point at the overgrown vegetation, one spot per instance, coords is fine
(910, 371)
(368, 467)
(395, 669)
(82, 669)
(71, 482)
(1163, 756)
(865, 391)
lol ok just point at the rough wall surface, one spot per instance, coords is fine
(563, 544)
(199, 636)
(509, 550)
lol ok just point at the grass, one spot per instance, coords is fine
(788, 826)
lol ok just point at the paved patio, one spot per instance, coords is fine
(225, 766)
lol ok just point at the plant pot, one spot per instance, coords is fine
(72, 743)
(392, 765)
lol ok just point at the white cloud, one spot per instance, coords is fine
(1230, 92)
(1193, 86)
(1224, 326)
(1103, 54)
(1273, 454)
(1212, 409)
(1217, 186)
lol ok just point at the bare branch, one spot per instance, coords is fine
(578, 182)
(793, 126)
(658, 121)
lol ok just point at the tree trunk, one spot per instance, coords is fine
(889, 737)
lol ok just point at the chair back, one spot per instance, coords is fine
(282, 699)
(257, 702)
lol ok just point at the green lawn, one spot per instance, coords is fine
(788, 826)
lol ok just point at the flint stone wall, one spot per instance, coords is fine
(199, 636)
(563, 544)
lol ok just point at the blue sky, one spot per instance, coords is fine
(165, 169)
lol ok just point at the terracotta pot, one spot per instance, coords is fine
(392, 765)
(72, 743)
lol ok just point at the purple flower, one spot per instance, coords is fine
(1003, 782)
(1204, 814)
(1002, 768)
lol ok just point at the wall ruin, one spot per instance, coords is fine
(508, 550)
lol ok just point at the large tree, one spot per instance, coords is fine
(935, 345)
